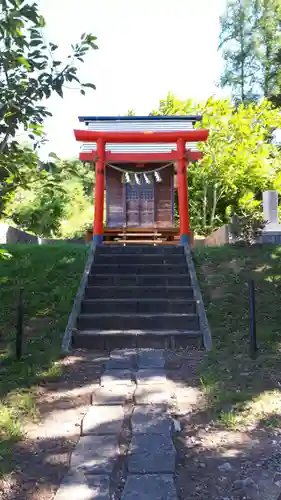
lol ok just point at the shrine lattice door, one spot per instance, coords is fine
(140, 210)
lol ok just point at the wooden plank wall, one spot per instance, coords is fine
(115, 198)
(164, 198)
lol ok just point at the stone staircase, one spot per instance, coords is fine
(138, 296)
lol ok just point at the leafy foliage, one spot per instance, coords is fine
(30, 72)
(64, 211)
(240, 161)
(238, 45)
(247, 229)
(250, 40)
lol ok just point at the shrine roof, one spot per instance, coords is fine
(192, 118)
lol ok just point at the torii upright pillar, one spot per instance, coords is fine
(183, 193)
(99, 192)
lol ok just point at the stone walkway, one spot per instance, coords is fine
(126, 451)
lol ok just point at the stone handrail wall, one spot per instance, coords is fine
(219, 237)
(10, 235)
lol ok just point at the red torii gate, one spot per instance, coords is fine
(180, 156)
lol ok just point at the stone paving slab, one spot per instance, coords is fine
(151, 376)
(116, 395)
(151, 358)
(77, 486)
(103, 420)
(150, 487)
(153, 394)
(148, 419)
(116, 377)
(95, 454)
(151, 453)
(121, 359)
(126, 353)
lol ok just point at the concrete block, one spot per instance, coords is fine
(151, 376)
(116, 395)
(151, 419)
(150, 487)
(153, 394)
(78, 486)
(95, 454)
(151, 358)
(116, 377)
(103, 420)
(151, 453)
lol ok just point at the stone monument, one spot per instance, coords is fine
(272, 231)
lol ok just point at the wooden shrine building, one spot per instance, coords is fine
(139, 161)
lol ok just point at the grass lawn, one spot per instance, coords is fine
(50, 276)
(241, 391)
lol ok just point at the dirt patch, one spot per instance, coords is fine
(42, 458)
(233, 265)
(215, 462)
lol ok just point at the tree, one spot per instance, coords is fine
(173, 106)
(268, 42)
(238, 50)
(239, 161)
(130, 112)
(251, 42)
(62, 213)
(29, 74)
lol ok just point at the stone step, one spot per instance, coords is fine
(95, 454)
(138, 322)
(121, 339)
(151, 419)
(139, 279)
(139, 292)
(79, 486)
(140, 269)
(150, 487)
(139, 249)
(150, 454)
(136, 306)
(138, 259)
(108, 420)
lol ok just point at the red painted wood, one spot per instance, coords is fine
(99, 189)
(141, 137)
(137, 158)
(182, 189)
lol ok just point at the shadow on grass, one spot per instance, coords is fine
(235, 384)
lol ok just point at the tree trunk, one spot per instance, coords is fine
(205, 203)
(214, 207)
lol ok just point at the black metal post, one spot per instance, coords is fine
(19, 331)
(252, 314)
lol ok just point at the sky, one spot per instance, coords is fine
(146, 48)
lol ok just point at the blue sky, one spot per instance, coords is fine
(146, 48)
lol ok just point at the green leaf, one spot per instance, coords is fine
(24, 62)
(35, 42)
(59, 91)
(54, 155)
(4, 254)
(42, 21)
(89, 85)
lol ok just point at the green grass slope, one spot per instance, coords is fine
(241, 390)
(49, 276)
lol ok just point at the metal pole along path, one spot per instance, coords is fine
(252, 316)
(19, 330)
